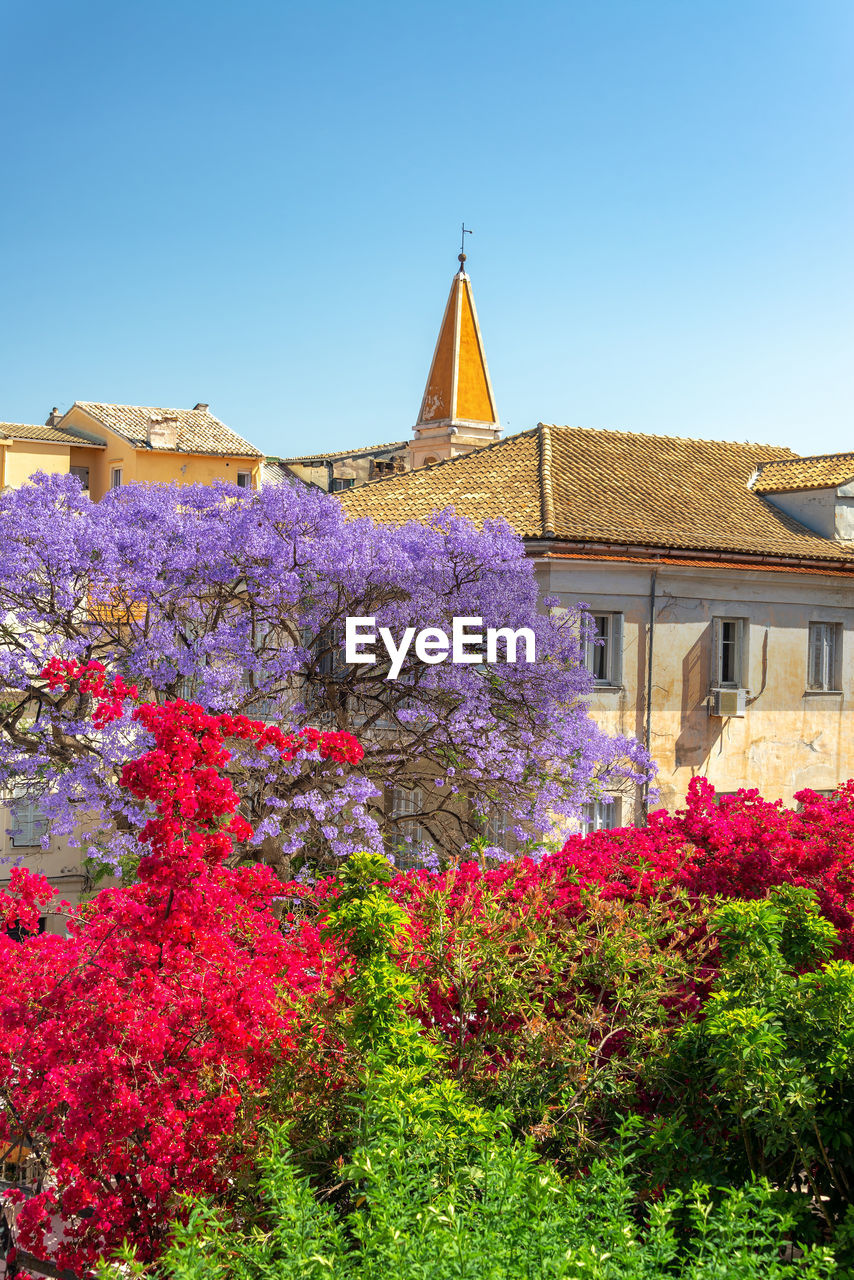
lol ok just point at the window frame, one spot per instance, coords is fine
(244, 480)
(33, 826)
(116, 471)
(596, 810)
(830, 658)
(76, 471)
(408, 835)
(740, 653)
(608, 656)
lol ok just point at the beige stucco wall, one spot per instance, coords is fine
(25, 457)
(788, 738)
(359, 469)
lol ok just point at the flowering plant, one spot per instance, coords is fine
(135, 1051)
(238, 602)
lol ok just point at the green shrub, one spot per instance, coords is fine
(773, 1060)
(502, 1215)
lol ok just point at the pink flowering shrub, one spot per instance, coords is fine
(135, 1053)
(737, 846)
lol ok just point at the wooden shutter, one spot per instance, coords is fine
(715, 672)
(615, 671)
(815, 655)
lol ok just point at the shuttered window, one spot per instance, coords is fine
(824, 647)
(603, 654)
(498, 830)
(602, 815)
(729, 653)
(408, 836)
(27, 822)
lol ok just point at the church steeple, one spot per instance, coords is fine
(458, 410)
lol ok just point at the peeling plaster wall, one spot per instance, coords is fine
(788, 739)
(845, 512)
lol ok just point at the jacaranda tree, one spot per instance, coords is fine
(238, 602)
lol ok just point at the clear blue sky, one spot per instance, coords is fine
(257, 204)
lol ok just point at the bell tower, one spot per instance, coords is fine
(458, 409)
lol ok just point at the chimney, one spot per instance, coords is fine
(54, 417)
(162, 432)
(203, 407)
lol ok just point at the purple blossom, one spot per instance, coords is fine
(237, 602)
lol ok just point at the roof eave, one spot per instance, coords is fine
(557, 546)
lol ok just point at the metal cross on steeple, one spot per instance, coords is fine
(467, 231)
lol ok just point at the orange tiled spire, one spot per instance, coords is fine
(458, 409)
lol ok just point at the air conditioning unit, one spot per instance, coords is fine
(727, 702)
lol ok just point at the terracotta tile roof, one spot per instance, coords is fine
(578, 485)
(198, 430)
(342, 453)
(33, 431)
(824, 471)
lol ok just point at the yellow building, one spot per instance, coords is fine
(107, 445)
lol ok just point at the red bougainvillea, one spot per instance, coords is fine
(132, 1050)
(732, 846)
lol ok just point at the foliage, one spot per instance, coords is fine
(503, 1215)
(775, 1050)
(238, 600)
(731, 846)
(548, 999)
(426, 1070)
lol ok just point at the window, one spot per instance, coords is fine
(187, 687)
(27, 822)
(601, 815)
(498, 830)
(116, 478)
(818, 791)
(329, 652)
(603, 656)
(244, 479)
(339, 483)
(729, 653)
(82, 474)
(18, 933)
(824, 649)
(408, 835)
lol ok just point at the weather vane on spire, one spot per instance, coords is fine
(467, 231)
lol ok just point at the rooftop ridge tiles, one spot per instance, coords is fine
(648, 435)
(444, 462)
(807, 457)
(338, 453)
(546, 487)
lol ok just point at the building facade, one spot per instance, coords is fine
(107, 445)
(725, 620)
